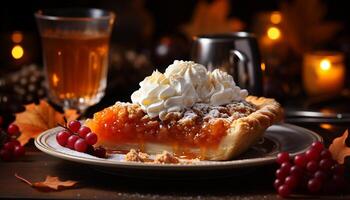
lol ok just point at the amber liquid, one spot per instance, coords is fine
(76, 68)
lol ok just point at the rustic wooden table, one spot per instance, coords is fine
(35, 166)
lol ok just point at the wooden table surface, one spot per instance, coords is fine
(35, 166)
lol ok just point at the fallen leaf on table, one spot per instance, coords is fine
(338, 148)
(38, 118)
(51, 182)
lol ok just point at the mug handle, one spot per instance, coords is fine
(240, 69)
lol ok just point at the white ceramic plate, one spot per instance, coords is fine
(283, 137)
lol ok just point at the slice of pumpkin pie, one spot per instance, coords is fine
(188, 111)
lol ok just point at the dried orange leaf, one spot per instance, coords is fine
(51, 182)
(338, 148)
(38, 118)
(54, 183)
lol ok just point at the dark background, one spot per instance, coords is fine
(167, 16)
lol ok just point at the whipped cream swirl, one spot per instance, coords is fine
(183, 84)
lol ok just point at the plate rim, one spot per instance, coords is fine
(44, 147)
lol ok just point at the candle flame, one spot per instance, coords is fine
(325, 64)
(273, 33)
(17, 52)
(263, 67)
(276, 17)
(55, 79)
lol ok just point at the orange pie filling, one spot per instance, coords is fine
(201, 126)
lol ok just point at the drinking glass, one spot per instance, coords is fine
(75, 51)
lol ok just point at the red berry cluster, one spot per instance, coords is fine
(10, 147)
(314, 171)
(79, 138)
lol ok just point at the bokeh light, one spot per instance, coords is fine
(276, 17)
(17, 37)
(17, 52)
(273, 33)
(325, 64)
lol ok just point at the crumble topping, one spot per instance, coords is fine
(136, 156)
(164, 158)
(229, 112)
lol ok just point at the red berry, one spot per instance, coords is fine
(83, 131)
(281, 174)
(5, 155)
(284, 190)
(319, 174)
(314, 185)
(296, 170)
(312, 166)
(282, 157)
(71, 141)
(300, 160)
(326, 154)
(318, 146)
(13, 129)
(91, 138)
(74, 126)
(18, 151)
(9, 146)
(286, 167)
(14, 141)
(326, 164)
(312, 154)
(291, 181)
(100, 152)
(80, 145)
(277, 183)
(62, 137)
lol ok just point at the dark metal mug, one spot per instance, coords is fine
(236, 53)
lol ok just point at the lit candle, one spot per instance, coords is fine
(323, 73)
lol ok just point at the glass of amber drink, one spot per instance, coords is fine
(75, 51)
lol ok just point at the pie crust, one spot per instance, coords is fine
(241, 133)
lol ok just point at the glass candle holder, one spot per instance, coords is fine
(323, 73)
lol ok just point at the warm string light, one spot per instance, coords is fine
(273, 33)
(17, 52)
(276, 17)
(17, 37)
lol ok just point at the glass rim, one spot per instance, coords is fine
(45, 14)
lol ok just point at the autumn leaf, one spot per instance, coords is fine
(338, 148)
(51, 182)
(304, 26)
(38, 118)
(210, 18)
